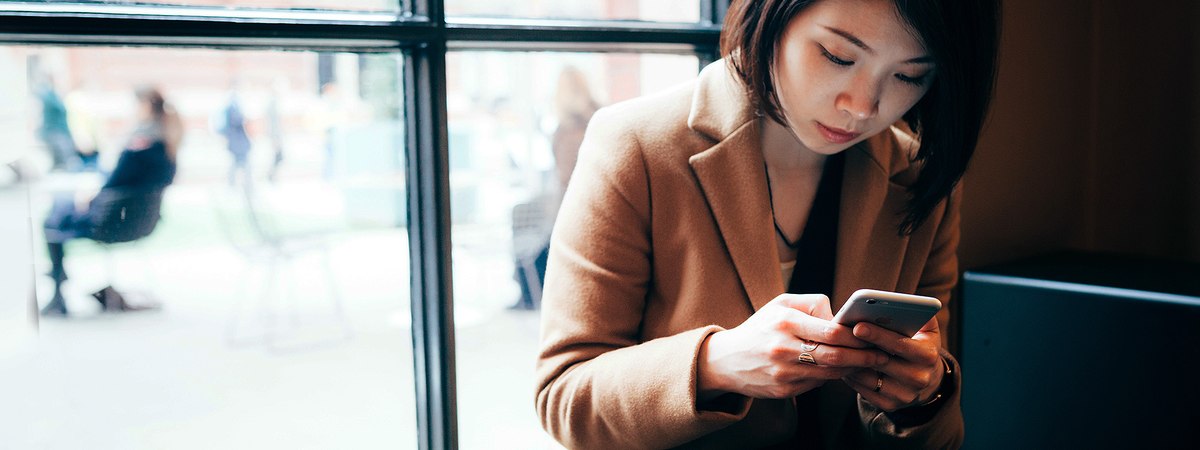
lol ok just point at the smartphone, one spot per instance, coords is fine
(902, 313)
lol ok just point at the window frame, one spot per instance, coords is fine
(423, 35)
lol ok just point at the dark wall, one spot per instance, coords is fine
(1092, 139)
(1024, 190)
(1144, 159)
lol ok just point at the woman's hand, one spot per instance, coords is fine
(760, 357)
(913, 375)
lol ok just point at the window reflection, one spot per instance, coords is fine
(516, 120)
(649, 10)
(267, 307)
(331, 5)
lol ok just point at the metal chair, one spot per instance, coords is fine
(251, 228)
(530, 233)
(124, 216)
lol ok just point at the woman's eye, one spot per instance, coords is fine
(915, 81)
(834, 59)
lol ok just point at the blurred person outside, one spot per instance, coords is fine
(82, 121)
(332, 116)
(146, 163)
(55, 130)
(231, 124)
(573, 109)
(275, 126)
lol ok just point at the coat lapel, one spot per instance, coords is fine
(734, 183)
(869, 249)
(731, 175)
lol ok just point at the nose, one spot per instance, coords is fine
(859, 100)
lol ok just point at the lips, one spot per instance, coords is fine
(836, 135)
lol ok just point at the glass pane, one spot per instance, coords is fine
(515, 124)
(651, 10)
(330, 5)
(267, 307)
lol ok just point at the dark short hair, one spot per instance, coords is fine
(961, 36)
(153, 97)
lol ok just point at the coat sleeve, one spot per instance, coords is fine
(598, 385)
(944, 429)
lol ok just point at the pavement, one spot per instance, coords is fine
(257, 346)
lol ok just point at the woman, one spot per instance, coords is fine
(146, 164)
(676, 312)
(573, 108)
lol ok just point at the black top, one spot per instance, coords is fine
(817, 249)
(816, 257)
(148, 168)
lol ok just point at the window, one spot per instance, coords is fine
(274, 280)
(285, 283)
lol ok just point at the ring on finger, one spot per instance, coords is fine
(807, 358)
(879, 383)
(809, 346)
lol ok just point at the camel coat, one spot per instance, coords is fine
(665, 237)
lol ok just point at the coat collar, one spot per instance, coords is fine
(731, 174)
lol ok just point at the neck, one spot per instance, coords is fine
(782, 151)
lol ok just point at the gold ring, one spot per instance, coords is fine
(879, 383)
(807, 358)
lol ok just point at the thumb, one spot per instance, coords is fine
(824, 309)
(930, 331)
(816, 305)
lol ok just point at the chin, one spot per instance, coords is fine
(822, 147)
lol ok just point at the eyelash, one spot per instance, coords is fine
(834, 59)
(913, 81)
(917, 81)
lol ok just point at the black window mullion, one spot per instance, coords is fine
(713, 11)
(429, 235)
(721, 7)
(374, 32)
(429, 246)
(434, 10)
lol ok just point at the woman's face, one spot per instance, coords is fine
(846, 70)
(145, 111)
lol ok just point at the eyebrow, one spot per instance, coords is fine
(850, 37)
(863, 45)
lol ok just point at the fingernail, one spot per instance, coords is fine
(862, 331)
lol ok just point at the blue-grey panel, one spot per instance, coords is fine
(1052, 363)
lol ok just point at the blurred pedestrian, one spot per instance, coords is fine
(232, 126)
(54, 130)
